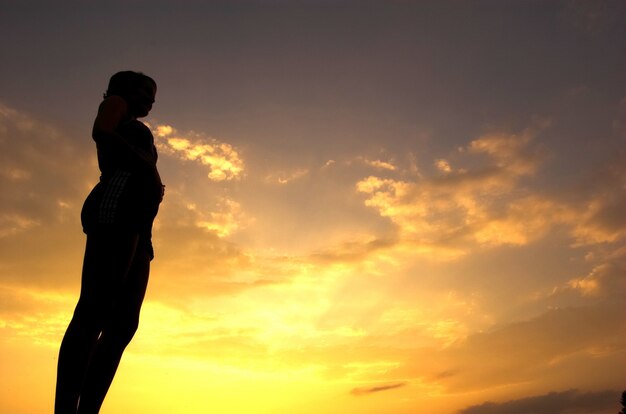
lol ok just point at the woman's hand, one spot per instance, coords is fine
(112, 112)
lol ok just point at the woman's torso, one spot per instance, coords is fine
(111, 159)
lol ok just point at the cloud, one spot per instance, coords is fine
(352, 251)
(224, 221)
(189, 240)
(604, 282)
(285, 177)
(601, 218)
(604, 279)
(544, 348)
(463, 205)
(378, 164)
(509, 151)
(564, 402)
(222, 159)
(443, 166)
(379, 388)
(369, 162)
(524, 220)
(194, 257)
(13, 223)
(490, 201)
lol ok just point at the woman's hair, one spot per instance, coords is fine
(123, 83)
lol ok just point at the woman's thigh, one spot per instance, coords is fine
(128, 302)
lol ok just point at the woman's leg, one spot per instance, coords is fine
(116, 334)
(108, 256)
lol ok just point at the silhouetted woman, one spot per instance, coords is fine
(117, 217)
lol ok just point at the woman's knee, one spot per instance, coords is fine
(91, 314)
(122, 330)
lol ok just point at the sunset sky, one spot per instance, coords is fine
(372, 207)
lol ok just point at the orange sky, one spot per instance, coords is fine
(363, 214)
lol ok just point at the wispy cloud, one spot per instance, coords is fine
(601, 219)
(605, 281)
(378, 164)
(224, 221)
(285, 177)
(561, 337)
(378, 388)
(352, 251)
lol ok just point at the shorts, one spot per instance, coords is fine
(121, 202)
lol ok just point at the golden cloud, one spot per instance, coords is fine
(223, 222)
(443, 166)
(525, 220)
(602, 219)
(381, 165)
(223, 160)
(605, 279)
(222, 217)
(488, 204)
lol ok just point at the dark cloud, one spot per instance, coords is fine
(571, 401)
(370, 390)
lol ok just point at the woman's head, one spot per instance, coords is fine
(136, 88)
